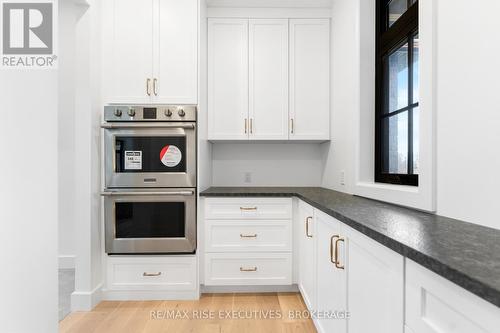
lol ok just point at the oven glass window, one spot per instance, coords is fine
(150, 154)
(150, 219)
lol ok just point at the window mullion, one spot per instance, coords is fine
(410, 101)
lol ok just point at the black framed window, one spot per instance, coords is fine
(397, 92)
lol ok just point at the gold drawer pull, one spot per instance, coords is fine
(151, 274)
(253, 269)
(332, 255)
(337, 263)
(248, 236)
(248, 208)
(307, 226)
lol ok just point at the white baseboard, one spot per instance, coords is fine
(66, 261)
(249, 289)
(149, 295)
(86, 300)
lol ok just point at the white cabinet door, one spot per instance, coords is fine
(228, 79)
(268, 79)
(331, 297)
(176, 44)
(128, 65)
(310, 79)
(307, 255)
(436, 305)
(375, 285)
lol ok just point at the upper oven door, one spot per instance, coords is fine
(150, 155)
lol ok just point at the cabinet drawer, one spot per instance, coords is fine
(248, 269)
(248, 208)
(248, 235)
(152, 273)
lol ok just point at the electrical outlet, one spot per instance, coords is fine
(342, 177)
(248, 178)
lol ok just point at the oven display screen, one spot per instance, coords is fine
(149, 113)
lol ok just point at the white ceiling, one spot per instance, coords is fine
(270, 3)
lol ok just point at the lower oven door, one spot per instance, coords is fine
(150, 221)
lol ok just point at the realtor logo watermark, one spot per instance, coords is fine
(29, 34)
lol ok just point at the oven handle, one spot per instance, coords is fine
(116, 193)
(147, 125)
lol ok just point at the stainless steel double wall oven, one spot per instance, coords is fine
(150, 179)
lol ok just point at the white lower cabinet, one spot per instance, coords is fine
(248, 236)
(248, 269)
(248, 241)
(375, 285)
(307, 254)
(331, 280)
(358, 278)
(144, 273)
(436, 305)
(349, 282)
(151, 277)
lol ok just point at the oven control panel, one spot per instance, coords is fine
(150, 113)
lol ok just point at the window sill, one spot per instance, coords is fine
(404, 195)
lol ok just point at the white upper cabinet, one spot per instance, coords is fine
(129, 50)
(228, 79)
(176, 61)
(268, 78)
(309, 79)
(150, 51)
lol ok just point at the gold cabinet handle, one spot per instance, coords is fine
(334, 261)
(248, 208)
(246, 125)
(148, 82)
(307, 226)
(253, 269)
(337, 263)
(151, 274)
(251, 125)
(291, 120)
(248, 236)
(155, 91)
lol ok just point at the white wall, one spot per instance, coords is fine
(270, 164)
(28, 201)
(339, 153)
(88, 107)
(467, 112)
(468, 119)
(204, 147)
(66, 133)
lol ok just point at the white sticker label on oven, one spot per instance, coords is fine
(133, 160)
(170, 156)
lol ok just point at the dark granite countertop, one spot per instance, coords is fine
(464, 253)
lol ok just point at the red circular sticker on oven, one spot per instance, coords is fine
(170, 156)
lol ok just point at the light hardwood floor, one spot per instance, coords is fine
(132, 317)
